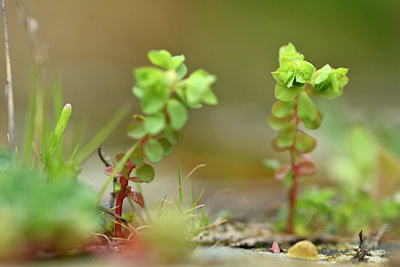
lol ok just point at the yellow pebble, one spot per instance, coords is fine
(303, 250)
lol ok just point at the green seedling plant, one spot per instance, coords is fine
(43, 206)
(39, 214)
(165, 97)
(298, 80)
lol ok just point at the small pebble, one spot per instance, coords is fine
(303, 250)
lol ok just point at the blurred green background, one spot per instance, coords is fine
(95, 44)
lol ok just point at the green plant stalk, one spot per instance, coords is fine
(119, 167)
(30, 127)
(58, 99)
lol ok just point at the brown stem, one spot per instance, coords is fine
(120, 199)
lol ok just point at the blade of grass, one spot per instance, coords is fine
(198, 199)
(180, 187)
(186, 178)
(104, 132)
(27, 155)
(58, 99)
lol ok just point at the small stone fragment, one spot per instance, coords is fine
(275, 248)
(303, 250)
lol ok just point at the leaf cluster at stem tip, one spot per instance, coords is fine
(165, 98)
(297, 80)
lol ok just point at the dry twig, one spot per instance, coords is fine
(8, 86)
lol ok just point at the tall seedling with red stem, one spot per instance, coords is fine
(165, 97)
(297, 80)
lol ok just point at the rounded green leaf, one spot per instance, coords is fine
(148, 76)
(281, 108)
(306, 109)
(145, 173)
(136, 129)
(286, 94)
(304, 142)
(161, 58)
(137, 91)
(153, 150)
(167, 146)
(155, 123)
(286, 135)
(279, 123)
(274, 145)
(177, 114)
(172, 135)
(137, 155)
(314, 124)
(154, 98)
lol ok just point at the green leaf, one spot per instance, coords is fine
(154, 98)
(304, 142)
(177, 114)
(286, 135)
(304, 72)
(306, 109)
(137, 155)
(181, 93)
(178, 61)
(316, 123)
(286, 94)
(163, 59)
(209, 97)
(322, 74)
(289, 51)
(274, 145)
(155, 123)
(286, 73)
(167, 146)
(145, 173)
(271, 164)
(181, 71)
(197, 85)
(281, 108)
(153, 150)
(148, 76)
(172, 135)
(136, 130)
(278, 123)
(137, 91)
(63, 121)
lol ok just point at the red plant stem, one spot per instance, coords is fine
(296, 176)
(120, 200)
